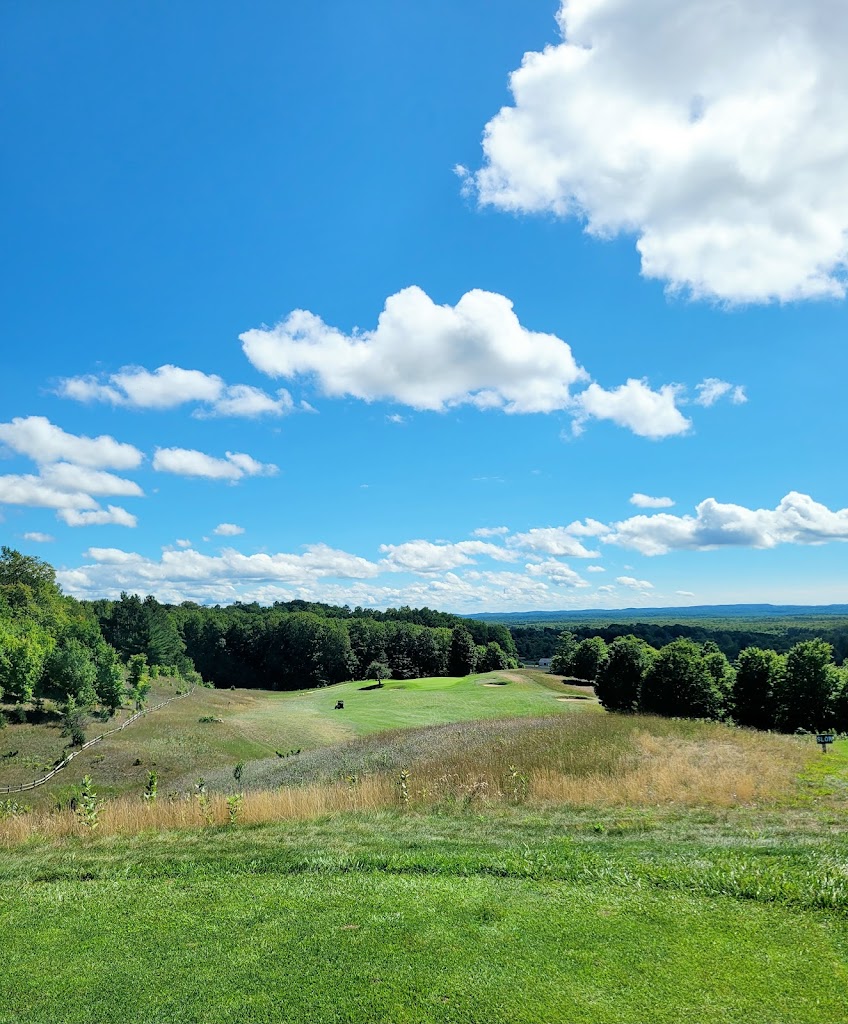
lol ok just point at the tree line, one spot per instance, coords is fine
(537, 641)
(87, 654)
(52, 648)
(295, 645)
(801, 690)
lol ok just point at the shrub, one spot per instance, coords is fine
(150, 788)
(88, 807)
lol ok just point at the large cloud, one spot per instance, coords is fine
(34, 492)
(797, 519)
(435, 357)
(715, 133)
(66, 476)
(170, 386)
(44, 442)
(425, 356)
(321, 573)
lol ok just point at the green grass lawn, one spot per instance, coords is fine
(306, 718)
(466, 912)
(512, 916)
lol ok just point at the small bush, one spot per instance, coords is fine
(234, 804)
(87, 806)
(12, 809)
(151, 786)
(205, 719)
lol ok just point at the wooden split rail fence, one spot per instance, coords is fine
(24, 786)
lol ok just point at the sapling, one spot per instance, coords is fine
(87, 805)
(517, 783)
(234, 804)
(151, 786)
(203, 801)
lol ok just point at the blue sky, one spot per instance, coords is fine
(318, 301)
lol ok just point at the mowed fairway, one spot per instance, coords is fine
(307, 718)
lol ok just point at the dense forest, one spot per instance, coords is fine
(802, 690)
(299, 644)
(539, 640)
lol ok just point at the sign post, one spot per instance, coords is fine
(824, 740)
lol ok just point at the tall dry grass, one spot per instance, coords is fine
(128, 816)
(692, 773)
(581, 761)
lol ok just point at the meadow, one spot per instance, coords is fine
(214, 729)
(539, 861)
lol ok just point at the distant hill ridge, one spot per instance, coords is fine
(712, 611)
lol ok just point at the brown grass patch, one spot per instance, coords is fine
(745, 768)
(580, 760)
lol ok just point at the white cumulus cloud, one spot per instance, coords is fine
(646, 501)
(170, 386)
(44, 442)
(634, 405)
(112, 515)
(39, 538)
(714, 133)
(633, 584)
(557, 572)
(66, 476)
(425, 356)
(424, 556)
(226, 530)
(36, 493)
(551, 540)
(189, 462)
(797, 519)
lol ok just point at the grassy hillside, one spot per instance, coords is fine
(252, 725)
